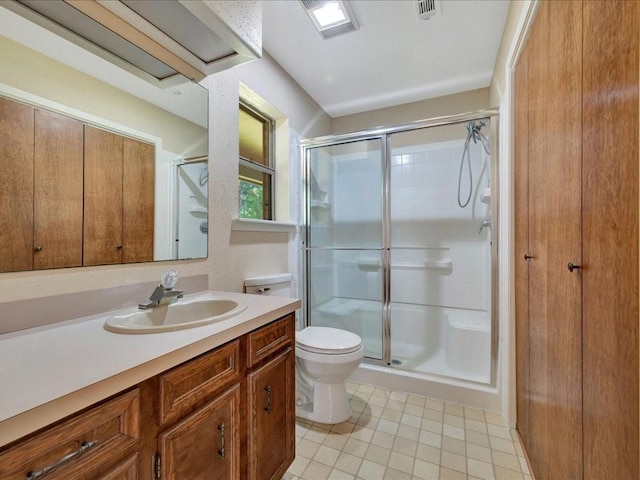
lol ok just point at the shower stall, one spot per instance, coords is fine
(399, 248)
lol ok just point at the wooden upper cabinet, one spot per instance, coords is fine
(16, 186)
(138, 196)
(57, 227)
(118, 198)
(71, 194)
(102, 197)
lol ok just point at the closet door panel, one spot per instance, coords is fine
(57, 228)
(138, 200)
(102, 197)
(610, 226)
(555, 143)
(521, 207)
(16, 186)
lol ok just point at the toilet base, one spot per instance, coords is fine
(330, 404)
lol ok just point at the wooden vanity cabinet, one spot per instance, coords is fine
(271, 400)
(206, 443)
(87, 446)
(272, 417)
(229, 414)
(226, 414)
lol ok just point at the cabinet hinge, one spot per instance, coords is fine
(157, 466)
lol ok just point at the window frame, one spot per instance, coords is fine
(269, 151)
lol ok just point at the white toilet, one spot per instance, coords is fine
(325, 357)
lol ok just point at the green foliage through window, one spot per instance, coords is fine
(251, 201)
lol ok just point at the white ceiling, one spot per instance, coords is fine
(393, 58)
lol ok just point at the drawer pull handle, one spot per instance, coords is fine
(268, 407)
(221, 451)
(84, 447)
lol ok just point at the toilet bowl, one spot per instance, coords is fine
(325, 357)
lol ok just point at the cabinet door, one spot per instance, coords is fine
(271, 418)
(206, 444)
(521, 248)
(138, 179)
(554, 439)
(102, 197)
(16, 186)
(57, 212)
(610, 239)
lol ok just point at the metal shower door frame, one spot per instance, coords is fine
(383, 134)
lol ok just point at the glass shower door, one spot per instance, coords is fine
(440, 253)
(344, 267)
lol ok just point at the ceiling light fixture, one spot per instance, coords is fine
(331, 18)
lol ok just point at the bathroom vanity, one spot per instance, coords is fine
(216, 401)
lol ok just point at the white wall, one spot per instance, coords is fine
(411, 112)
(236, 255)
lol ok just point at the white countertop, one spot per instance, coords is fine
(47, 373)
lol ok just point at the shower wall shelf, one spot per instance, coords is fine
(319, 204)
(199, 211)
(442, 266)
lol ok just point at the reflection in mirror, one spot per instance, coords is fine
(135, 192)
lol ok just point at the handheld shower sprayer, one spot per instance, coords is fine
(473, 133)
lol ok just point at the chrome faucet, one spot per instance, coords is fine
(164, 293)
(486, 223)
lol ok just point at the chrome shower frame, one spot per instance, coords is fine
(383, 134)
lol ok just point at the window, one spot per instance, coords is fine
(257, 173)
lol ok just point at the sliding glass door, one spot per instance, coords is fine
(344, 239)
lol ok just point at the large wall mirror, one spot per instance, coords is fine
(97, 165)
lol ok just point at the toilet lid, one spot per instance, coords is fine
(327, 340)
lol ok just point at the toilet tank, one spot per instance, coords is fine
(278, 285)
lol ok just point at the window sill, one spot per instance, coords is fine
(250, 225)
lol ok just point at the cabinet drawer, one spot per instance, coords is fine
(189, 385)
(81, 447)
(125, 470)
(270, 339)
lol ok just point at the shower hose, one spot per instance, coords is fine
(473, 133)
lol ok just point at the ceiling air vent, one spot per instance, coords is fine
(426, 9)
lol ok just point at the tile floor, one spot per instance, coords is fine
(393, 435)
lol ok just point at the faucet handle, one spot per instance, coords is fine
(169, 279)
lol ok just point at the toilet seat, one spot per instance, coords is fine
(327, 341)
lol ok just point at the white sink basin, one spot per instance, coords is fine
(176, 316)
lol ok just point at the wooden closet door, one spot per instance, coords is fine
(16, 186)
(102, 197)
(521, 262)
(57, 229)
(554, 203)
(138, 201)
(610, 245)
